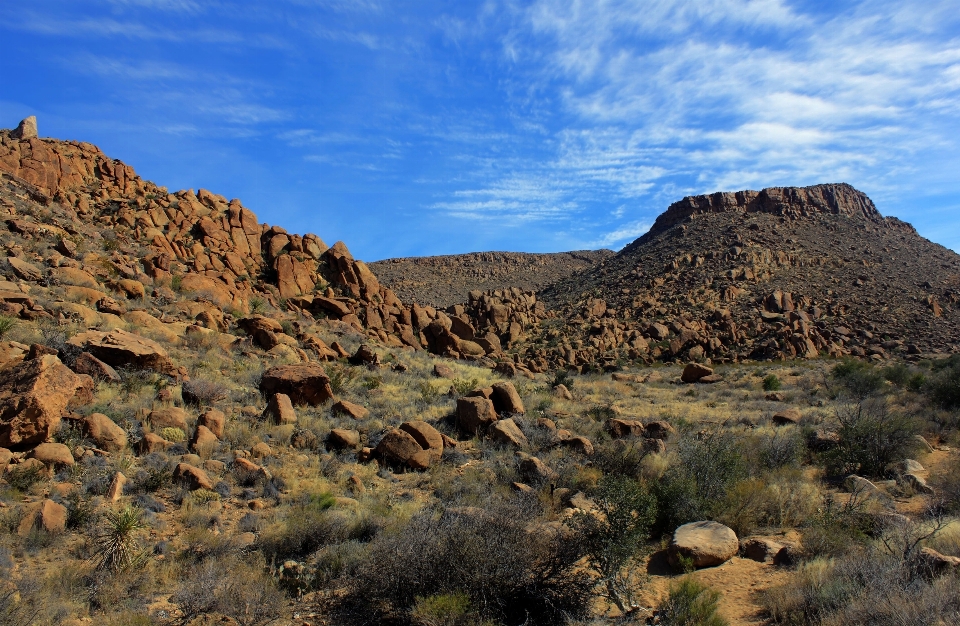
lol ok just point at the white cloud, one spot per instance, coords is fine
(621, 236)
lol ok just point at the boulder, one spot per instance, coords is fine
(535, 471)
(90, 365)
(52, 454)
(760, 549)
(24, 270)
(119, 348)
(427, 436)
(152, 442)
(45, 515)
(203, 441)
(107, 435)
(917, 483)
(261, 451)
(787, 417)
(214, 420)
(658, 429)
(33, 395)
(397, 447)
(304, 383)
(506, 399)
(579, 444)
(115, 491)
(27, 129)
(441, 370)
(706, 544)
(343, 438)
(561, 391)
(621, 428)
(280, 409)
(934, 563)
(365, 355)
(357, 412)
(193, 477)
(693, 372)
(507, 432)
(169, 417)
(474, 415)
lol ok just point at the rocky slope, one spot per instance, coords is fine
(442, 281)
(780, 273)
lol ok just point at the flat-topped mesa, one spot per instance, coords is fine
(793, 202)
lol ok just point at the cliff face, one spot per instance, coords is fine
(789, 202)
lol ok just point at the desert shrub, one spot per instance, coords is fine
(22, 478)
(615, 537)
(445, 609)
(341, 376)
(231, 586)
(173, 434)
(785, 447)
(257, 305)
(6, 325)
(944, 386)
(872, 436)
(463, 386)
(859, 378)
(304, 529)
(562, 377)
(690, 603)
(869, 587)
(203, 392)
(510, 574)
(621, 457)
(693, 488)
(771, 383)
(838, 528)
(80, 511)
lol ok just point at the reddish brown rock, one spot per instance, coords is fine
(107, 435)
(214, 420)
(428, 437)
(169, 417)
(203, 441)
(506, 399)
(280, 409)
(52, 454)
(474, 415)
(706, 544)
(90, 365)
(193, 477)
(693, 372)
(343, 438)
(119, 348)
(787, 416)
(46, 515)
(304, 383)
(152, 442)
(33, 395)
(507, 432)
(344, 407)
(398, 447)
(620, 428)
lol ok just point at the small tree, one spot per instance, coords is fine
(690, 604)
(871, 437)
(613, 535)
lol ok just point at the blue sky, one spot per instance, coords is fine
(432, 127)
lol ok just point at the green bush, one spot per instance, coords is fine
(6, 325)
(117, 545)
(771, 383)
(616, 536)
(858, 377)
(690, 603)
(510, 574)
(944, 386)
(695, 486)
(22, 478)
(872, 436)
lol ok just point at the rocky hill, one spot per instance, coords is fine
(780, 273)
(442, 281)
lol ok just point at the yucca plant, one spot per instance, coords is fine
(6, 325)
(117, 548)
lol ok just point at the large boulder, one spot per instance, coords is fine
(104, 432)
(90, 365)
(427, 436)
(168, 417)
(52, 454)
(119, 348)
(621, 428)
(280, 409)
(506, 399)
(45, 515)
(193, 477)
(693, 372)
(475, 414)
(705, 544)
(508, 433)
(33, 395)
(345, 407)
(399, 447)
(304, 383)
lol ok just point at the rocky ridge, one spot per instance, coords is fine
(780, 273)
(442, 281)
